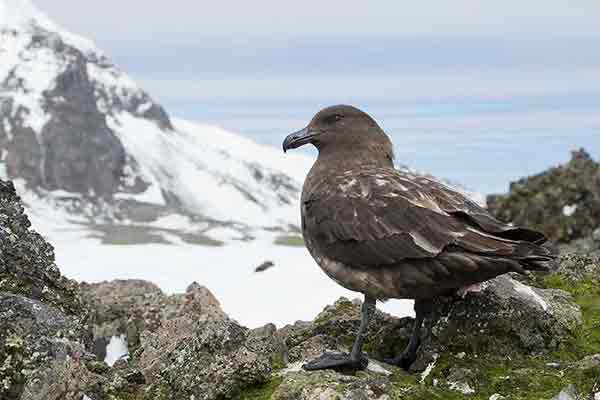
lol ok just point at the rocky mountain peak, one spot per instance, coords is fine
(71, 122)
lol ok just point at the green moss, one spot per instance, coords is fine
(278, 362)
(516, 375)
(261, 392)
(289, 241)
(340, 308)
(587, 295)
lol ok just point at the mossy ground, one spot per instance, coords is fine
(263, 391)
(515, 375)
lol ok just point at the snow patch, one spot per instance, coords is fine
(116, 349)
(22, 15)
(462, 387)
(429, 368)
(569, 210)
(377, 368)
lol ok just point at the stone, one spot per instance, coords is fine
(335, 329)
(506, 316)
(130, 307)
(567, 393)
(563, 202)
(588, 362)
(44, 331)
(204, 360)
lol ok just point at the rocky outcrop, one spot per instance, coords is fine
(130, 307)
(43, 325)
(206, 360)
(563, 202)
(506, 339)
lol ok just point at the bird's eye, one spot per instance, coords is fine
(332, 119)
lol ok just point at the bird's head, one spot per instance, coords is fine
(342, 129)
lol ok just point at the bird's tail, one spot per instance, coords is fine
(538, 258)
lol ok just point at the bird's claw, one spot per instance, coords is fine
(337, 362)
(403, 361)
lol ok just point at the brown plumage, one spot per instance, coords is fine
(394, 234)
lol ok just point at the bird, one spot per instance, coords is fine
(395, 234)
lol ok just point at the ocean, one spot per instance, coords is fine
(483, 145)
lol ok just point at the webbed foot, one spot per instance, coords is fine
(337, 362)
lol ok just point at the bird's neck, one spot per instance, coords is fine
(351, 160)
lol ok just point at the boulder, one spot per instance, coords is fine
(130, 307)
(205, 360)
(563, 202)
(44, 331)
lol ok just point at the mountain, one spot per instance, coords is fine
(79, 134)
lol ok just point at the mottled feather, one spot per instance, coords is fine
(380, 216)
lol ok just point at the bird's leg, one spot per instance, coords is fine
(409, 355)
(354, 361)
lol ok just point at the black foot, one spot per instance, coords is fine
(404, 360)
(337, 362)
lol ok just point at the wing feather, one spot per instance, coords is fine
(383, 216)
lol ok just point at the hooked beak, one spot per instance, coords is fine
(298, 139)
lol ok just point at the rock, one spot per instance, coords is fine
(329, 385)
(506, 316)
(130, 307)
(460, 379)
(567, 393)
(264, 266)
(589, 245)
(44, 336)
(563, 202)
(27, 261)
(205, 360)
(589, 362)
(335, 329)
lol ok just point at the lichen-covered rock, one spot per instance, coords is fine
(130, 307)
(27, 261)
(589, 245)
(328, 385)
(204, 360)
(504, 316)
(43, 325)
(563, 202)
(335, 329)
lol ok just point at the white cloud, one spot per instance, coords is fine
(190, 21)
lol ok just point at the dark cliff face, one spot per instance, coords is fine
(75, 150)
(563, 202)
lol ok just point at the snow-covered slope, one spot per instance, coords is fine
(84, 137)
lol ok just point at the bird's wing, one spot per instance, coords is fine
(381, 216)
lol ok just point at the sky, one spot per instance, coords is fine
(193, 50)
(464, 68)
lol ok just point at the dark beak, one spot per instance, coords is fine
(298, 139)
